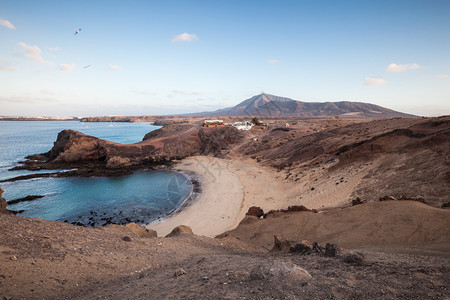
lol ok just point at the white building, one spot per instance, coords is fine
(243, 125)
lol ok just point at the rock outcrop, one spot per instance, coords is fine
(280, 244)
(158, 147)
(3, 204)
(302, 247)
(25, 199)
(280, 269)
(141, 230)
(180, 230)
(290, 209)
(255, 211)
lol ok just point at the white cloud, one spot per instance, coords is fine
(47, 92)
(401, 68)
(67, 67)
(184, 37)
(34, 53)
(182, 92)
(54, 48)
(7, 24)
(372, 81)
(145, 93)
(6, 66)
(273, 61)
(443, 76)
(115, 67)
(26, 100)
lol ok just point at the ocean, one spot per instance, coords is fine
(141, 197)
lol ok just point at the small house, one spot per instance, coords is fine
(213, 123)
(243, 125)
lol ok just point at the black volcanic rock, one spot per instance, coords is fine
(266, 105)
(24, 199)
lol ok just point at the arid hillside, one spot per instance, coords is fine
(400, 157)
(52, 260)
(406, 157)
(379, 227)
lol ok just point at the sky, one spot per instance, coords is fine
(172, 57)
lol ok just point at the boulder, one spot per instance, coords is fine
(127, 238)
(300, 208)
(358, 201)
(141, 231)
(255, 211)
(180, 230)
(303, 247)
(387, 197)
(179, 272)
(280, 244)
(317, 248)
(3, 204)
(420, 199)
(353, 257)
(331, 250)
(280, 269)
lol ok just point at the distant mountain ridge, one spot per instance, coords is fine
(266, 105)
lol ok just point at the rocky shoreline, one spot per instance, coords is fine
(388, 249)
(79, 154)
(121, 216)
(75, 154)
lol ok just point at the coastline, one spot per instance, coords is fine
(194, 194)
(228, 188)
(231, 186)
(218, 205)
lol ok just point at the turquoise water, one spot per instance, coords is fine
(141, 197)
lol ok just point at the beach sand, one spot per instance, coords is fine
(231, 186)
(216, 208)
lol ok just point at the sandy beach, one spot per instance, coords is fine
(398, 247)
(230, 187)
(216, 208)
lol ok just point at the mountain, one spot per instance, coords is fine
(274, 106)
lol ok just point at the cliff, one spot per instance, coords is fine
(158, 147)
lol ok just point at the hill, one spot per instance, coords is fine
(377, 190)
(274, 106)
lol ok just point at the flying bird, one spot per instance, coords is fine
(78, 31)
(87, 66)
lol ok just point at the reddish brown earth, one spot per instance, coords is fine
(411, 155)
(75, 149)
(42, 259)
(405, 245)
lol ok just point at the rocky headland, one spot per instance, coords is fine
(324, 208)
(91, 156)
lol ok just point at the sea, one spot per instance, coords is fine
(142, 197)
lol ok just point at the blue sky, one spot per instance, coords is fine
(168, 57)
